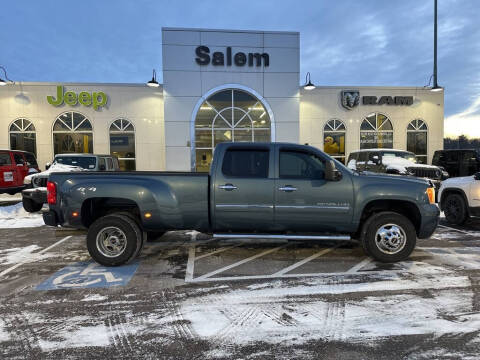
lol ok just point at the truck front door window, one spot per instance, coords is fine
(300, 165)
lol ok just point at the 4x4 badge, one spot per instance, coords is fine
(350, 98)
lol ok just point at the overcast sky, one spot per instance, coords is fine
(343, 42)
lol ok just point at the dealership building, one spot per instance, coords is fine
(218, 85)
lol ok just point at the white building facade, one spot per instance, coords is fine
(218, 85)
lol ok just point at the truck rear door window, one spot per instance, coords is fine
(246, 163)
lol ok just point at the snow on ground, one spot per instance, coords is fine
(282, 314)
(27, 253)
(94, 297)
(15, 216)
(7, 197)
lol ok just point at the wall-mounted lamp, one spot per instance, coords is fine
(7, 80)
(308, 84)
(153, 82)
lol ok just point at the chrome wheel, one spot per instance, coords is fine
(111, 241)
(390, 239)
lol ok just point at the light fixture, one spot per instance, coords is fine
(308, 84)
(436, 88)
(7, 80)
(153, 82)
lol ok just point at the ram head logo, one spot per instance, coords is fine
(350, 99)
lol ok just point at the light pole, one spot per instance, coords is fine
(435, 86)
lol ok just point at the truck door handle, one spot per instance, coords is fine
(287, 188)
(228, 187)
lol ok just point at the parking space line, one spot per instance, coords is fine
(241, 262)
(361, 264)
(304, 261)
(32, 258)
(451, 228)
(217, 251)
(190, 264)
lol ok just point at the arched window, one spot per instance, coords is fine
(417, 136)
(122, 143)
(72, 133)
(334, 139)
(22, 136)
(376, 131)
(229, 115)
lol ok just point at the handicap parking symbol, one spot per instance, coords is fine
(89, 275)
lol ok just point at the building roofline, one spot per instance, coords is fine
(351, 87)
(30, 83)
(230, 30)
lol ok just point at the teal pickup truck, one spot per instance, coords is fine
(253, 190)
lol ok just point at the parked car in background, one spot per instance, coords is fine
(14, 166)
(391, 161)
(459, 198)
(34, 197)
(254, 190)
(462, 162)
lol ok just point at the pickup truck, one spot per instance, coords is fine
(253, 190)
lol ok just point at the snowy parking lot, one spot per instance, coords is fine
(191, 296)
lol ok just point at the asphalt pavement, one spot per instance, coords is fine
(189, 296)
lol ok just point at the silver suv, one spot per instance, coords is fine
(35, 196)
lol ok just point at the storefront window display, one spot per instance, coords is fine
(376, 131)
(72, 133)
(122, 143)
(334, 139)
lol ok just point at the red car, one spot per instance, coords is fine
(14, 166)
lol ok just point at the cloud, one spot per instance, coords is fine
(465, 122)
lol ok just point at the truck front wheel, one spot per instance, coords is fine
(114, 240)
(389, 237)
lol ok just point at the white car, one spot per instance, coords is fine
(459, 198)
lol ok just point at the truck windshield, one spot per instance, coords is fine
(86, 162)
(399, 154)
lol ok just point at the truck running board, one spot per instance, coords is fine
(285, 237)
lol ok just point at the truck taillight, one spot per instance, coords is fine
(51, 193)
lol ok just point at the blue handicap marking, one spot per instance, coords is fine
(89, 275)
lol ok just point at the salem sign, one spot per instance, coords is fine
(219, 58)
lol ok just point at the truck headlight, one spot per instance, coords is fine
(431, 195)
(27, 180)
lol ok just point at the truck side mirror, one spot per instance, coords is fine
(477, 176)
(331, 172)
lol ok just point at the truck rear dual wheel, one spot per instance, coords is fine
(389, 237)
(455, 209)
(31, 206)
(114, 240)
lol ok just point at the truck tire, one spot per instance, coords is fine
(455, 209)
(31, 206)
(389, 237)
(114, 240)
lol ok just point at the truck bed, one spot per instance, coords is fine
(175, 200)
